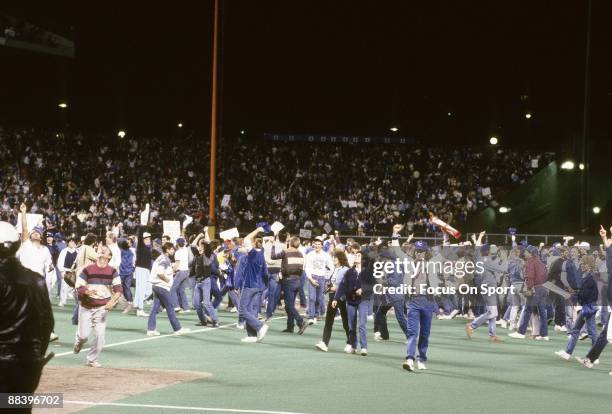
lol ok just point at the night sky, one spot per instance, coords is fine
(341, 67)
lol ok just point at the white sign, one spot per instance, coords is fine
(144, 216)
(226, 200)
(306, 234)
(32, 220)
(276, 227)
(327, 228)
(229, 234)
(188, 220)
(172, 228)
(352, 204)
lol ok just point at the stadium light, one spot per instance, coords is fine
(504, 210)
(121, 134)
(242, 132)
(449, 113)
(63, 105)
(493, 140)
(567, 165)
(180, 125)
(596, 210)
(394, 129)
(581, 166)
(528, 115)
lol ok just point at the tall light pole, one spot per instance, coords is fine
(213, 123)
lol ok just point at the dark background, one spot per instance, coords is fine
(342, 67)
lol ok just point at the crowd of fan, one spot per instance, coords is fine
(92, 184)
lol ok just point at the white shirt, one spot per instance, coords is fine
(162, 265)
(36, 258)
(318, 264)
(115, 261)
(182, 257)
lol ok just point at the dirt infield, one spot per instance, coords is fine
(106, 384)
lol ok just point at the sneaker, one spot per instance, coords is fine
(128, 308)
(140, 312)
(321, 346)
(596, 362)
(364, 352)
(495, 339)
(516, 335)
(408, 364)
(185, 311)
(377, 336)
(78, 345)
(262, 332)
(312, 321)
(585, 362)
(240, 326)
(583, 336)
(557, 328)
(370, 317)
(249, 339)
(563, 329)
(233, 310)
(542, 338)
(563, 355)
(503, 324)
(289, 330)
(53, 337)
(337, 318)
(302, 328)
(348, 349)
(453, 314)
(200, 323)
(182, 331)
(512, 326)
(421, 366)
(469, 330)
(153, 333)
(94, 364)
(178, 310)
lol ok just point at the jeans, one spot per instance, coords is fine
(274, 291)
(537, 300)
(420, 311)
(353, 312)
(316, 297)
(216, 292)
(202, 294)
(301, 293)
(489, 316)
(449, 303)
(126, 283)
(162, 297)
(517, 301)
(291, 288)
(574, 333)
(380, 319)
(329, 319)
(177, 293)
(602, 340)
(250, 298)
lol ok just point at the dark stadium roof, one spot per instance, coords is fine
(319, 67)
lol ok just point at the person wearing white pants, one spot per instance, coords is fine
(96, 299)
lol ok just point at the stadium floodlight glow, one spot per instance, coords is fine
(242, 132)
(567, 165)
(121, 134)
(581, 166)
(449, 113)
(180, 125)
(528, 115)
(394, 129)
(596, 210)
(493, 140)
(63, 105)
(504, 210)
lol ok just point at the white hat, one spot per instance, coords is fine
(8, 233)
(146, 234)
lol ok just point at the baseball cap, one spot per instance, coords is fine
(180, 241)
(146, 234)
(38, 229)
(8, 233)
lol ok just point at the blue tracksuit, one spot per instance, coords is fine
(254, 278)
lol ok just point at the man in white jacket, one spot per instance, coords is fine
(317, 266)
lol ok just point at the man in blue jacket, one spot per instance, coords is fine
(254, 279)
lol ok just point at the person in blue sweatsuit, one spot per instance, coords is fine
(421, 307)
(254, 280)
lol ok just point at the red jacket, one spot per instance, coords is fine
(535, 272)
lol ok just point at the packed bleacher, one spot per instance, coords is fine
(88, 184)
